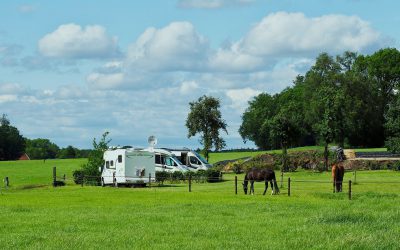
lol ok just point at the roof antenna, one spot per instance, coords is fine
(152, 142)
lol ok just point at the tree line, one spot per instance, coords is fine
(351, 100)
(13, 145)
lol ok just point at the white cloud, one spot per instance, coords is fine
(73, 41)
(188, 87)
(212, 4)
(290, 34)
(234, 60)
(105, 81)
(11, 88)
(175, 47)
(240, 98)
(8, 98)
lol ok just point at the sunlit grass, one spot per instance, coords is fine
(211, 216)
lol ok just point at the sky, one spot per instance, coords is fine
(71, 70)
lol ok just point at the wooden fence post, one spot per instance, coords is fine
(235, 184)
(281, 179)
(54, 177)
(288, 186)
(6, 182)
(349, 189)
(190, 183)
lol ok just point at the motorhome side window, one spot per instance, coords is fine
(111, 164)
(119, 158)
(107, 164)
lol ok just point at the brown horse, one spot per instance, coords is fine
(260, 175)
(337, 176)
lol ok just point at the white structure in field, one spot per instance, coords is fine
(191, 159)
(127, 166)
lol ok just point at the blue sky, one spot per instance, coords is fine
(70, 70)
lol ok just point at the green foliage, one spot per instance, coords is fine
(12, 144)
(41, 149)
(77, 176)
(95, 159)
(205, 118)
(392, 126)
(347, 100)
(209, 175)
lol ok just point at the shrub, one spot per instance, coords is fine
(77, 174)
(213, 175)
(161, 176)
(177, 176)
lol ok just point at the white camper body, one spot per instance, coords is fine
(127, 166)
(191, 159)
(167, 161)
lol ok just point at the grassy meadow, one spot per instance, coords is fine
(35, 215)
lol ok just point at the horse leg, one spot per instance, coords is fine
(272, 187)
(266, 187)
(252, 187)
(334, 185)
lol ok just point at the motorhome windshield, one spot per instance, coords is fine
(177, 160)
(201, 158)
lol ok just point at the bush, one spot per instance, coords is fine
(161, 176)
(393, 144)
(77, 174)
(177, 176)
(213, 175)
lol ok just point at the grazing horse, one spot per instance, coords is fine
(337, 176)
(260, 175)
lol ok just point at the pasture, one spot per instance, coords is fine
(35, 215)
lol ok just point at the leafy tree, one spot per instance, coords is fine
(95, 160)
(205, 118)
(393, 126)
(253, 126)
(323, 82)
(41, 149)
(12, 144)
(68, 153)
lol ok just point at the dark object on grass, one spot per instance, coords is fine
(260, 175)
(337, 175)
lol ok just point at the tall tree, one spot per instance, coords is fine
(12, 144)
(205, 119)
(253, 127)
(323, 82)
(41, 149)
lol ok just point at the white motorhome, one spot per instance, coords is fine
(127, 166)
(167, 161)
(191, 159)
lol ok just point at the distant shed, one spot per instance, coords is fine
(24, 157)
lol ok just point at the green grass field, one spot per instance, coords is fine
(35, 215)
